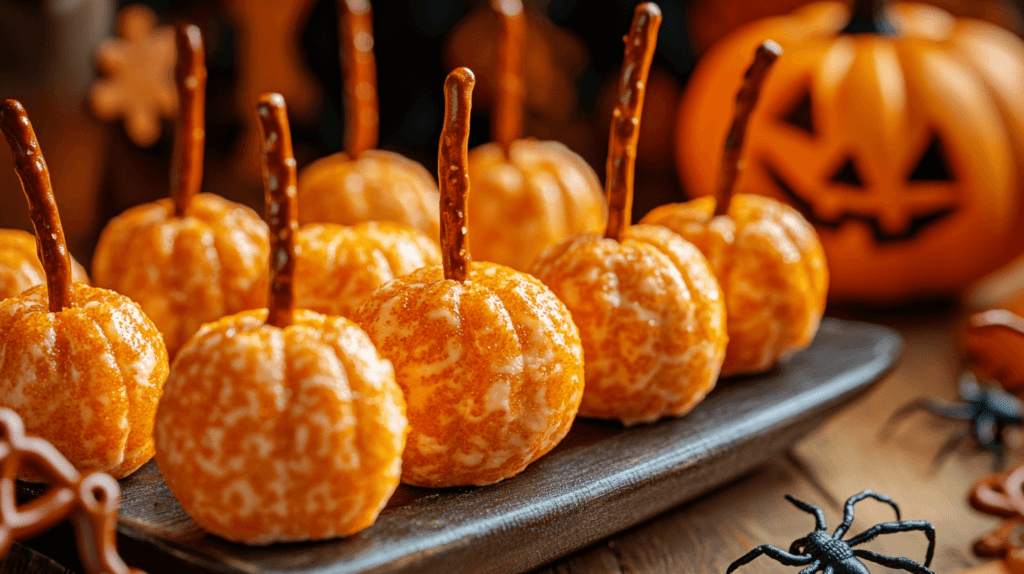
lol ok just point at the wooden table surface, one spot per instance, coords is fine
(843, 457)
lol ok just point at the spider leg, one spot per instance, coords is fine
(812, 568)
(819, 516)
(948, 448)
(958, 411)
(797, 546)
(890, 562)
(782, 556)
(828, 569)
(848, 510)
(915, 405)
(987, 434)
(904, 526)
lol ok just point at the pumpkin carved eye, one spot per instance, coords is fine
(800, 115)
(847, 173)
(932, 166)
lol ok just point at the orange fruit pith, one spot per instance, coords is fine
(651, 316)
(534, 196)
(492, 371)
(266, 434)
(19, 264)
(337, 267)
(376, 186)
(771, 267)
(185, 271)
(87, 379)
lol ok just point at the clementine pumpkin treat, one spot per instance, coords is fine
(194, 257)
(529, 193)
(362, 183)
(20, 267)
(766, 256)
(648, 307)
(488, 358)
(994, 346)
(82, 366)
(281, 424)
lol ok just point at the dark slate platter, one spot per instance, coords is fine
(600, 480)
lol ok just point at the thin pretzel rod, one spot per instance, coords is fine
(507, 121)
(359, 76)
(190, 129)
(31, 168)
(281, 206)
(453, 173)
(625, 131)
(746, 99)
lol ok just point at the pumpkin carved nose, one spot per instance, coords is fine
(847, 173)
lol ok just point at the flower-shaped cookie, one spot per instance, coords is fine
(138, 70)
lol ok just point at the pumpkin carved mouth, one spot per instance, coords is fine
(915, 224)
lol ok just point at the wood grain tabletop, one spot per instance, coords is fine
(843, 457)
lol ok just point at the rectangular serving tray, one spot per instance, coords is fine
(601, 479)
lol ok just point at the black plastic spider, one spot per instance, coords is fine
(821, 552)
(989, 408)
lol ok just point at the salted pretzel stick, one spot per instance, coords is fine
(453, 173)
(190, 129)
(746, 99)
(359, 76)
(507, 120)
(281, 205)
(42, 207)
(625, 131)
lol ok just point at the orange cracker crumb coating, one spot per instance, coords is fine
(87, 379)
(771, 266)
(185, 271)
(267, 434)
(651, 316)
(337, 267)
(491, 368)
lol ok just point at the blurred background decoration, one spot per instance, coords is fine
(573, 54)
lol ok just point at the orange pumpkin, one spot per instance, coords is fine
(767, 258)
(489, 360)
(20, 267)
(193, 258)
(281, 424)
(650, 312)
(82, 366)
(529, 193)
(894, 131)
(361, 183)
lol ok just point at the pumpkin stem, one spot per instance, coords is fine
(280, 183)
(190, 130)
(746, 99)
(31, 168)
(359, 76)
(868, 17)
(453, 173)
(507, 121)
(640, 44)
(997, 318)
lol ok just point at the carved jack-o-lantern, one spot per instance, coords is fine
(894, 131)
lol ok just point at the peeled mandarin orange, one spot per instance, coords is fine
(766, 256)
(337, 267)
(649, 310)
(20, 267)
(361, 183)
(994, 346)
(529, 193)
(82, 366)
(489, 360)
(281, 424)
(195, 257)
